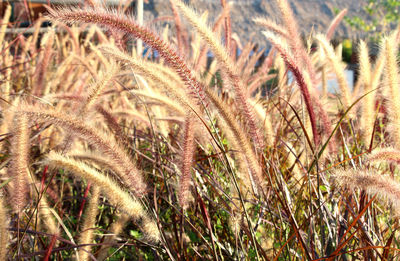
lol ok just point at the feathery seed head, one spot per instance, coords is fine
(187, 160)
(18, 168)
(114, 192)
(121, 162)
(393, 83)
(372, 183)
(120, 22)
(150, 229)
(385, 154)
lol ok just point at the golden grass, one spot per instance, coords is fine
(195, 157)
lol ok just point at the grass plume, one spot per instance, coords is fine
(338, 69)
(18, 169)
(239, 139)
(372, 183)
(121, 22)
(122, 163)
(187, 161)
(228, 68)
(392, 78)
(385, 155)
(4, 235)
(89, 224)
(292, 64)
(114, 192)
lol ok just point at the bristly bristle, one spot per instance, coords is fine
(18, 169)
(172, 85)
(114, 192)
(116, 228)
(119, 159)
(229, 72)
(385, 155)
(372, 183)
(4, 236)
(187, 161)
(338, 69)
(40, 73)
(295, 42)
(120, 22)
(300, 78)
(335, 23)
(393, 80)
(239, 140)
(368, 107)
(273, 27)
(89, 224)
(96, 89)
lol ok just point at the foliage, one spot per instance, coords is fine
(381, 17)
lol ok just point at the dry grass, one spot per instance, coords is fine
(109, 153)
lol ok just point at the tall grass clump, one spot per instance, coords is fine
(122, 143)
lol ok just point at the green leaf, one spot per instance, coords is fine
(193, 237)
(323, 188)
(135, 234)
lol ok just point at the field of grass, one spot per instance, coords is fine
(112, 153)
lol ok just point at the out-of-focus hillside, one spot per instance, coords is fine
(311, 14)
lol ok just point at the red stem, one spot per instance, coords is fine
(43, 178)
(84, 200)
(50, 248)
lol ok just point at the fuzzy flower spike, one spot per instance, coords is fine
(120, 22)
